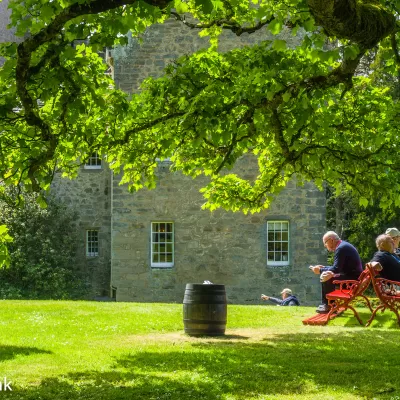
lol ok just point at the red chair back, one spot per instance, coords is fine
(364, 281)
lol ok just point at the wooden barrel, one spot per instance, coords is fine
(204, 309)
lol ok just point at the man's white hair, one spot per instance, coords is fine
(331, 234)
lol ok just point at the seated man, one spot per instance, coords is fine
(385, 256)
(346, 265)
(288, 299)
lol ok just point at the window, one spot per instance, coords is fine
(92, 243)
(162, 244)
(277, 243)
(93, 162)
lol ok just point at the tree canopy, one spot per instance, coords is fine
(325, 110)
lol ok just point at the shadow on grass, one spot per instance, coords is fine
(386, 319)
(362, 363)
(10, 352)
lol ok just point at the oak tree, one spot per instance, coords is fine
(323, 111)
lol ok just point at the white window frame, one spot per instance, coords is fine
(162, 243)
(92, 243)
(93, 162)
(280, 245)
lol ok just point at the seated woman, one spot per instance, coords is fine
(385, 256)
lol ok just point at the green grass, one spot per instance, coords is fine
(85, 350)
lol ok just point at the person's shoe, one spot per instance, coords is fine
(323, 309)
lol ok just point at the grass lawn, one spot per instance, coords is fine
(86, 350)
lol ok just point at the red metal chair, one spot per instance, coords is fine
(386, 290)
(340, 299)
(348, 291)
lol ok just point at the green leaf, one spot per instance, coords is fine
(286, 96)
(351, 52)
(309, 25)
(279, 44)
(329, 56)
(42, 202)
(205, 5)
(304, 102)
(363, 202)
(47, 11)
(275, 26)
(270, 95)
(181, 7)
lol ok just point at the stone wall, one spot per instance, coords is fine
(90, 195)
(6, 35)
(223, 247)
(162, 44)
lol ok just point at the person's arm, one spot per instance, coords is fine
(338, 263)
(316, 269)
(275, 300)
(377, 257)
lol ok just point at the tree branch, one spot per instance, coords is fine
(24, 70)
(364, 23)
(229, 24)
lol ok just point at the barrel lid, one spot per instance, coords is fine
(203, 286)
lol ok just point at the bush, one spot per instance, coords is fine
(42, 254)
(4, 238)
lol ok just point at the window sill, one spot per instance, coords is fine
(278, 264)
(162, 265)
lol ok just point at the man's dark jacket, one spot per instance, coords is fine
(390, 264)
(346, 263)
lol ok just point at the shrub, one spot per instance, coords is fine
(42, 254)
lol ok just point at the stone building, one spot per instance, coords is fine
(146, 246)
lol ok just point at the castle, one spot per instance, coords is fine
(146, 246)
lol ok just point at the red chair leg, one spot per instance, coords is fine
(355, 314)
(397, 314)
(374, 313)
(328, 317)
(367, 301)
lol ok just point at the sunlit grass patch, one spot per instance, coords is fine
(86, 350)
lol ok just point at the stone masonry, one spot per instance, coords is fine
(223, 247)
(6, 35)
(90, 196)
